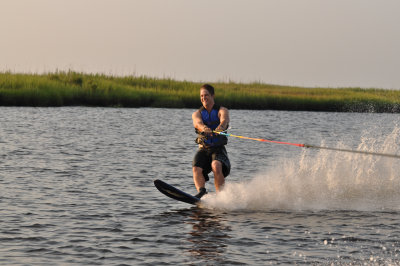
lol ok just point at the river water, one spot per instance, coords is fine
(77, 188)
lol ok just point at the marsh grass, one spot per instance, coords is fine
(73, 88)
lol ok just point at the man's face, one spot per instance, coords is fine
(206, 98)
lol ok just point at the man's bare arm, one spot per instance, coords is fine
(198, 121)
(224, 119)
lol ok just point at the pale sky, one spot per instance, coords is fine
(327, 43)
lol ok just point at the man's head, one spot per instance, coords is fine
(209, 88)
(207, 96)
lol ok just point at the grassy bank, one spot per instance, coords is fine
(72, 88)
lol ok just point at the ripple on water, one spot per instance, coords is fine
(76, 188)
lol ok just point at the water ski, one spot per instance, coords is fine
(175, 193)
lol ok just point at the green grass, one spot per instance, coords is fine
(72, 88)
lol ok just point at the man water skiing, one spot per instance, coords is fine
(212, 155)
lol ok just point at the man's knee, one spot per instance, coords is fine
(216, 166)
(197, 170)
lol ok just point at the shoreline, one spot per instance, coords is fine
(100, 90)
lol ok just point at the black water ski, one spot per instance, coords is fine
(175, 193)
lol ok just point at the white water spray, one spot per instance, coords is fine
(323, 180)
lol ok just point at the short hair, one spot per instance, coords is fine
(209, 88)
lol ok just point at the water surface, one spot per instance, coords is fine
(76, 188)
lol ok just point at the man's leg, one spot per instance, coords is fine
(198, 178)
(219, 179)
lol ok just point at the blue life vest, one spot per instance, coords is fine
(212, 121)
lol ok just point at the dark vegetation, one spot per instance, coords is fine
(79, 89)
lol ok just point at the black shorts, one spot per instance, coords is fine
(204, 157)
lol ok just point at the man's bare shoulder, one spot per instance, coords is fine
(196, 114)
(223, 110)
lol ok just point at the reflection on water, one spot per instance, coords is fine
(205, 233)
(208, 235)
